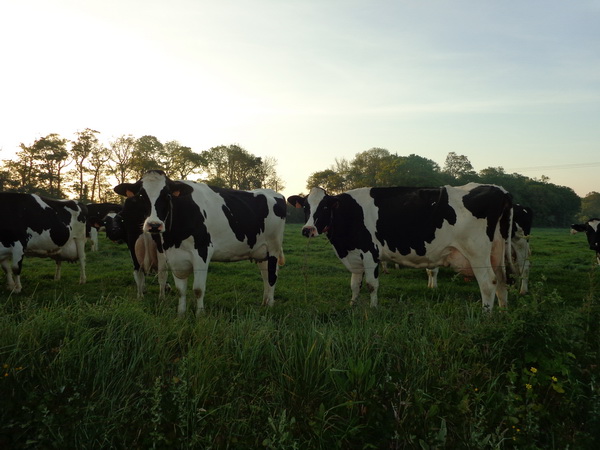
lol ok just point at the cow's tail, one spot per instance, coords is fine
(506, 230)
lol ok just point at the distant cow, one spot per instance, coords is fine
(198, 223)
(95, 217)
(126, 226)
(36, 226)
(520, 250)
(464, 227)
(592, 232)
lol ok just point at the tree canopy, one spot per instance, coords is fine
(86, 169)
(555, 206)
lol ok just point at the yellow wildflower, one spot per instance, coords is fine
(528, 386)
(554, 379)
(533, 370)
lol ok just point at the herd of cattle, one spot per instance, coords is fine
(182, 226)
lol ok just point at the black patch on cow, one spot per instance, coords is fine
(523, 217)
(490, 203)
(345, 222)
(246, 213)
(272, 269)
(133, 214)
(187, 221)
(280, 208)
(408, 218)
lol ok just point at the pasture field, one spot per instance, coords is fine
(92, 366)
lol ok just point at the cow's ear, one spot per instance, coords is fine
(296, 201)
(177, 189)
(577, 227)
(126, 189)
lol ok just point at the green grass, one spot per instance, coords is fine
(93, 367)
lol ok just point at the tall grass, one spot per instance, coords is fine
(93, 367)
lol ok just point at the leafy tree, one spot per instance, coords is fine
(459, 167)
(99, 157)
(233, 167)
(590, 206)
(327, 179)
(414, 170)
(181, 161)
(121, 156)
(268, 175)
(334, 180)
(370, 168)
(87, 140)
(38, 167)
(147, 155)
(53, 158)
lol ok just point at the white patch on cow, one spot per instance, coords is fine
(594, 224)
(153, 184)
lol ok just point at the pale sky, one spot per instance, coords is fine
(511, 83)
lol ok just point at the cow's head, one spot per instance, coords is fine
(113, 225)
(592, 232)
(318, 207)
(153, 194)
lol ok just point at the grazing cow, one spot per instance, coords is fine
(592, 231)
(519, 246)
(95, 216)
(36, 226)
(464, 227)
(198, 223)
(126, 226)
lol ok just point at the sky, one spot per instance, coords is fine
(512, 84)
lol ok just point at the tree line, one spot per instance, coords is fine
(86, 169)
(553, 205)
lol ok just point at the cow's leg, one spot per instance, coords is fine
(163, 274)
(200, 288)
(432, 277)
(181, 285)
(57, 270)
(94, 239)
(268, 271)
(501, 286)
(486, 279)
(81, 257)
(140, 281)
(10, 281)
(372, 280)
(17, 267)
(355, 284)
(525, 278)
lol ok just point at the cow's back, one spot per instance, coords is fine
(241, 224)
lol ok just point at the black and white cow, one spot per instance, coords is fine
(520, 252)
(36, 226)
(95, 219)
(198, 224)
(591, 228)
(464, 227)
(126, 226)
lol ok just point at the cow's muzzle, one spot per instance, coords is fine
(309, 232)
(155, 227)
